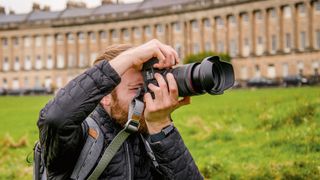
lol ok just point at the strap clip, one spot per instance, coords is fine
(132, 126)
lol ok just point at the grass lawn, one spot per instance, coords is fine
(243, 134)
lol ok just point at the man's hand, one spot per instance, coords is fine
(136, 56)
(157, 111)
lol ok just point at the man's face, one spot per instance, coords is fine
(131, 81)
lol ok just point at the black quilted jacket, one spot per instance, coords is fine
(62, 138)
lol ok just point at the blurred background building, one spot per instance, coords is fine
(265, 38)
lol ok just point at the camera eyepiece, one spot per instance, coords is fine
(210, 76)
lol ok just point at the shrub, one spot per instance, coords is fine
(200, 56)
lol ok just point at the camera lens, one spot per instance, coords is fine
(210, 76)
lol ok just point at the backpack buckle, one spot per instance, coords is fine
(132, 126)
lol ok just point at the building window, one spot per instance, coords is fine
(81, 37)
(38, 41)
(70, 38)
(4, 42)
(220, 22)
(114, 34)
(272, 13)
(245, 17)
(315, 66)
(206, 23)
(288, 40)
(257, 71)
(82, 62)
(59, 82)
(103, 35)
(302, 9)
(300, 67)
(15, 84)
(302, 40)
(147, 30)
(15, 41)
(208, 46)
(177, 26)
(285, 69)
(244, 73)
(318, 38)
(196, 48)
(38, 62)
(137, 32)
(194, 24)
(71, 61)
(60, 61)
(271, 71)
(287, 11)
(125, 34)
(16, 66)
(59, 39)
(246, 42)
(220, 47)
(49, 41)
(27, 63)
(232, 20)
(5, 83)
(258, 15)
(178, 48)
(273, 43)
(93, 57)
(92, 36)
(37, 83)
(6, 65)
(27, 41)
(159, 28)
(233, 48)
(49, 62)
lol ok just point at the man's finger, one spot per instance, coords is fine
(172, 86)
(162, 84)
(148, 99)
(156, 90)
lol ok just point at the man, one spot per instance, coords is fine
(99, 93)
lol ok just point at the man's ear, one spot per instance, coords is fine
(106, 101)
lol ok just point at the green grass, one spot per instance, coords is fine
(243, 134)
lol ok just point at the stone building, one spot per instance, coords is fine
(266, 38)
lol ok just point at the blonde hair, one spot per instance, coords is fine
(112, 51)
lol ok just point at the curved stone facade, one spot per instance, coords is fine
(266, 38)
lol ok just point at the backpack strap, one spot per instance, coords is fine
(135, 112)
(91, 150)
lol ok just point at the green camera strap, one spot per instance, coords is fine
(135, 112)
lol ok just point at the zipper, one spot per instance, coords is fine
(129, 161)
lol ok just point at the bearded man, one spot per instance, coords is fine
(104, 93)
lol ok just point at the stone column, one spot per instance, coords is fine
(310, 37)
(240, 37)
(202, 34)
(295, 25)
(253, 33)
(265, 16)
(280, 30)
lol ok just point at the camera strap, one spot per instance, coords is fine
(135, 113)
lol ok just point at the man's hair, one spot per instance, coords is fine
(111, 52)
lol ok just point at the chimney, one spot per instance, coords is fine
(36, 7)
(46, 8)
(74, 4)
(2, 10)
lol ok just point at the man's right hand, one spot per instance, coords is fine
(135, 57)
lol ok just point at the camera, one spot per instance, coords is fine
(211, 76)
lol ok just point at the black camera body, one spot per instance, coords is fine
(211, 76)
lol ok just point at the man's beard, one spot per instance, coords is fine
(120, 114)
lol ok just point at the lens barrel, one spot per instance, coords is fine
(210, 76)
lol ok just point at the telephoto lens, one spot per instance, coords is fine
(211, 76)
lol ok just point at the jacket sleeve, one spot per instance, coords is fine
(175, 160)
(61, 135)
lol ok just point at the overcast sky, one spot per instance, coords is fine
(25, 6)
